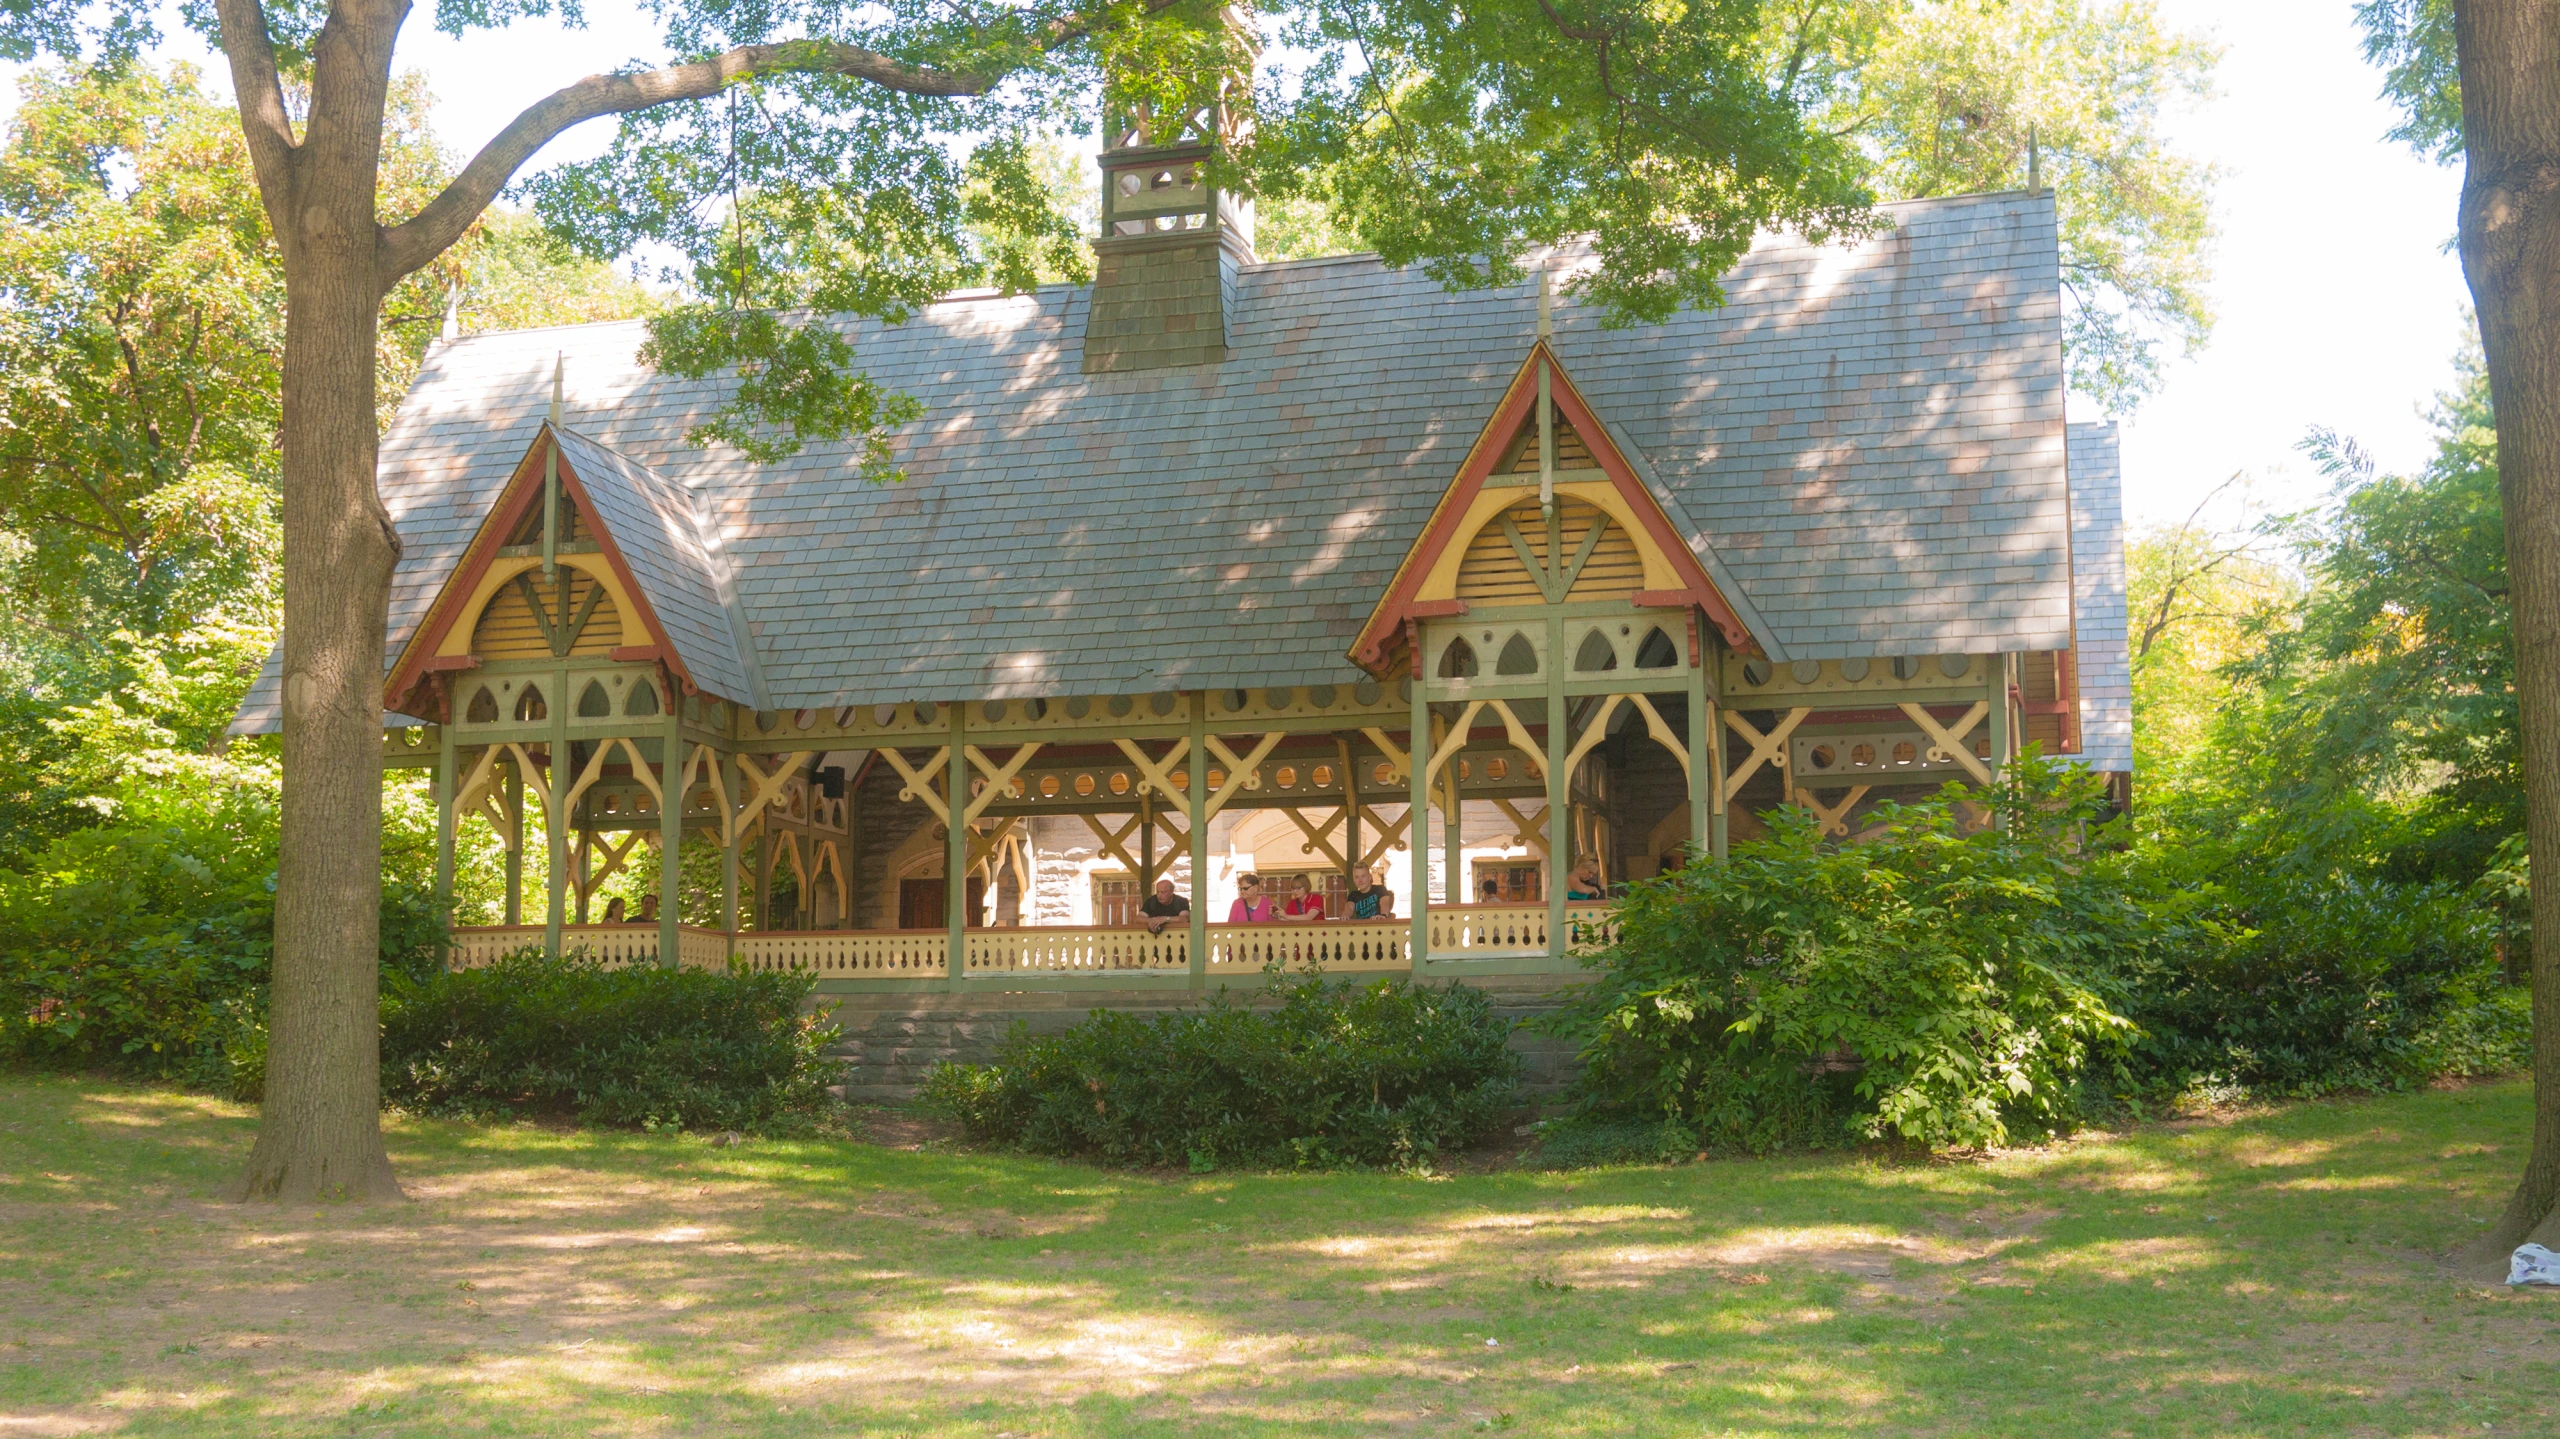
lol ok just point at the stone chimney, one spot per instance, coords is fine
(1165, 263)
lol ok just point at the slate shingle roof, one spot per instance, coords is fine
(2104, 652)
(1868, 440)
(676, 559)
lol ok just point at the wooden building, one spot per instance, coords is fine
(1217, 564)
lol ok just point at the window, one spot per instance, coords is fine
(1115, 897)
(1518, 883)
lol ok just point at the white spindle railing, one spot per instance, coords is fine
(609, 944)
(1331, 947)
(1077, 951)
(850, 953)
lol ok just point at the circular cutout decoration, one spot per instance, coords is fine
(1954, 666)
(1906, 753)
(1855, 671)
(1497, 769)
(1181, 780)
(1048, 786)
(1823, 756)
(1368, 692)
(884, 715)
(926, 711)
(767, 719)
(1321, 776)
(1906, 666)
(1037, 709)
(1323, 696)
(1807, 671)
(1120, 706)
(1217, 777)
(1079, 707)
(1756, 672)
(1236, 700)
(1120, 782)
(1162, 704)
(804, 719)
(1286, 776)
(1862, 755)
(1084, 785)
(992, 710)
(1384, 773)
(1278, 698)
(1464, 770)
(1017, 788)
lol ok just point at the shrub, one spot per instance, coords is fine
(637, 1046)
(1944, 982)
(1332, 1073)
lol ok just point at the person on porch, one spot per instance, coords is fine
(648, 909)
(1162, 908)
(1490, 892)
(1367, 898)
(1585, 883)
(1252, 906)
(1307, 907)
(613, 910)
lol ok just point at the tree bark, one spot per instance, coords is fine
(2510, 241)
(320, 1134)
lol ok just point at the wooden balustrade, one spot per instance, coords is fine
(1239, 949)
(1077, 951)
(1471, 932)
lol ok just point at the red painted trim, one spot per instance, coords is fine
(1665, 599)
(2044, 707)
(1437, 609)
(447, 664)
(633, 654)
(2066, 683)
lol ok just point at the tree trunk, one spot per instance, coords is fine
(2510, 241)
(320, 1135)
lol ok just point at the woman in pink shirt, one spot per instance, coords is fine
(1251, 906)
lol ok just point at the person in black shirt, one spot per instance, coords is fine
(1369, 899)
(1163, 907)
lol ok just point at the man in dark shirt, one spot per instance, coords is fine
(1163, 907)
(1369, 899)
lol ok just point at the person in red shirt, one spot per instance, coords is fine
(1307, 907)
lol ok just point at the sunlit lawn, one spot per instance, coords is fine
(2273, 1274)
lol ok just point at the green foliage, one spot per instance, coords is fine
(1944, 983)
(641, 1046)
(1594, 1141)
(1327, 1073)
(1942, 97)
(2412, 40)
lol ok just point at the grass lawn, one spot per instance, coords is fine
(2270, 1274)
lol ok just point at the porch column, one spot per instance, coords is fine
(2001, 737)
(730, 839)
(1195, 800)
(1350, 810)
(1453, 825)
(1706, 784)
(448, 776)
(670, 832)
(1417, 746)
(515, 841)
(555, 817)
(1559, 740)
(955, 858)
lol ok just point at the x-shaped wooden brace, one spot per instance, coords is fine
(1767, 748)
(1834, 820)
(1158, 773)
(920, 781)
(1396, 758)
(1114, 842)
(763, 788)
(1533, 837)
(983, 845)
(999, 779)
(1317, 842)
(1387, 834)
(480, 789)
(1241, 773)
(1949, 743)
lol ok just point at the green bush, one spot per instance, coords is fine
(1944, 983)
(639, 1046)
(1331, 1073)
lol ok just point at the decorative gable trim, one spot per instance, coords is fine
(467, 591)
(1403, 602)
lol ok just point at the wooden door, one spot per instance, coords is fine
(920, 903)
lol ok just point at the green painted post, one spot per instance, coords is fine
(1559, 739)
(555, 817)
(448, 776)
(1195, 799)
(671, 835)
(730, 843)
(515, 842)
(1418, 824)
(955, 861)
(2001, 736)
(1704, 783)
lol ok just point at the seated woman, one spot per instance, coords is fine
(1585, 882)
(613, 910)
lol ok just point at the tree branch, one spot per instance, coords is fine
(422, 237)
(263, 117)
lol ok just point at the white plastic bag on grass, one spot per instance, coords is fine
(2533, 1264)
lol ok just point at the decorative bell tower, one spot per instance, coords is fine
(1165, 263)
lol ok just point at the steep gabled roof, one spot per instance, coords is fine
(651, 535)
(1512, 420)
(1872, 435)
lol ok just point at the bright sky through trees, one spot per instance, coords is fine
(2337, 304)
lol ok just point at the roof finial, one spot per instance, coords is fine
(559, 365)
(1546, 306)
(2035, 165)
(452, 314)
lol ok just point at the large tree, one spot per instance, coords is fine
(2480, 79)
(818, 156)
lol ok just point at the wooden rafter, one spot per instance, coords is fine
(1157, 773)
(1240, 772)
(1114, 842)
(1387, 834)
(1765, 748)
(919, 784)
(1530, 837)
(999, 778)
